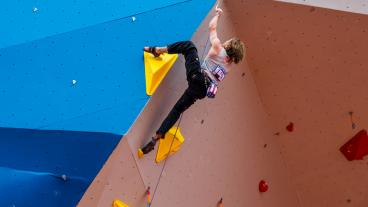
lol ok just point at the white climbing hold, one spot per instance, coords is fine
(74, 82)
(35, 9)
(133, 18)
(63, 176)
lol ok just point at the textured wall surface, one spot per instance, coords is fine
(34, 19)
(229, 146)
(120, 180)
(71, 84)
(105, 60)
(306, 63)
(43, 168)
(310, 68)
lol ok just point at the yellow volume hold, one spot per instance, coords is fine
(173, 139)
(119, 203)
(156, 69)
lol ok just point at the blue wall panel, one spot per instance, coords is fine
(105, 60)
(28, 189)
(53, 17)
(40, 74)
(33, 162)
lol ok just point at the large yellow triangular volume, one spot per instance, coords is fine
(156, 69)
(119, 203)
(164, 145)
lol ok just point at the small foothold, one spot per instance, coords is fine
(133, 19)
(202, 121)
(265, 145)
(277, 133)
(148, 195)
(263, 186)
(63, 176)
(353, 125)
(243, 74)
(74, 82)
(290, 127)
(35, 9)
(140, 153)
(351, 113)
(348, 200)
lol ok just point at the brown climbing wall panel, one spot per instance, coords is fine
(310, 67)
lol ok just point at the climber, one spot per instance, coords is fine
(202, 79)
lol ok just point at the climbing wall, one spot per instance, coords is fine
(310, 68)
(71, 84)
(41, 168)
(76, 80)
(229, 146)
(121, 180)
(31, 20)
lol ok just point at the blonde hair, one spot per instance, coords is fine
(235, 50)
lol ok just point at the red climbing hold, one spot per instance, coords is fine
(263, 186)
(357, 147)
(290, 127)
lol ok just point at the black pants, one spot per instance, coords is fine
(196, 83)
